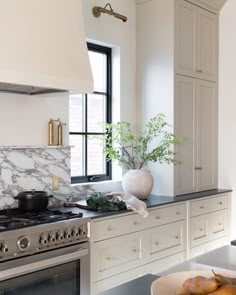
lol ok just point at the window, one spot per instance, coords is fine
(87, 112)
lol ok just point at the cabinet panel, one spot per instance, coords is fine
(217, 224)
(185, 121)
(196, 41)
(185, 29)
(117, 255)
(198, 230)
(165, 263)
(166, 239)
(166, 215)
(206, 135)
(207, 45)
(113, 227)
(119, 279)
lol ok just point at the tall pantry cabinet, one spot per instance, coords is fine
(177, 73)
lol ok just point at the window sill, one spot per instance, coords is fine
(102, 186)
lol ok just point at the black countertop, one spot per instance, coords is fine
(140, 286)
(153, 201)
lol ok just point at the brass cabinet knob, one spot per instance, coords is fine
(109, 228)
(157, 243)
(108, 258)
(158, 217)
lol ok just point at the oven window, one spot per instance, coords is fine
(59, 280)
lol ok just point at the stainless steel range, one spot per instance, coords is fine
(43, 252)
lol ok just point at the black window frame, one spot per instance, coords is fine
(98, 177)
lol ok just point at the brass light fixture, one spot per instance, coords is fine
(98, 10)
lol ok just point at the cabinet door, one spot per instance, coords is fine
(185, 47)
(206, 135)
(207, 45)
(198, 230)
(185, 122)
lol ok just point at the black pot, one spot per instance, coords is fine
(33, 200)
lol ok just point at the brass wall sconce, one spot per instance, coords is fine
(98, 10)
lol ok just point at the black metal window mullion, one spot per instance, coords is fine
(86, 134)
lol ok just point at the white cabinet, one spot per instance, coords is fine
(209, 223)
(196, 120)
(196, 32)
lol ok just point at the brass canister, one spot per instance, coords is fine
(59, 133)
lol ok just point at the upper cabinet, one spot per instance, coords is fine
(196, 39)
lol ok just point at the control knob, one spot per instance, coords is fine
(4, 248)
(75, 232)
(67, 234)
(60, 236)
(23, 243)
(52, 238)
(82, 231)
(43, 240)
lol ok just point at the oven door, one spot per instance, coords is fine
(61, 271)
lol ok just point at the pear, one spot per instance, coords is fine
(187, 282)
(225, 290)
(224, 280)
(201, 285)
(182, 291)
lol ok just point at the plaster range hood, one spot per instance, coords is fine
(43, 47)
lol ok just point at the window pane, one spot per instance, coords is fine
(77, 154)
(76, 107)
(96, 112)
(96, 158)
(99, 65)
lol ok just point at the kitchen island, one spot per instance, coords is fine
(223, 258)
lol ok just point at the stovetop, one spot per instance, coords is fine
(11, 219)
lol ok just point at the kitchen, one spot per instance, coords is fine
(30, 114)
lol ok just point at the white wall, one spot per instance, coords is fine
(24, 119)
(227, 103)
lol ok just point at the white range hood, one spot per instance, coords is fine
(43, 47)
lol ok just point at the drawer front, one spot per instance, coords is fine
(117, 255)
(118, 279)
(166, 215)
(162, 264)
(204, 206)
(204, 248)
(198, 230)
(217, 224)
(109, 228)
(166, 240)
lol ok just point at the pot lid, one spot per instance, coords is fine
(33, 194)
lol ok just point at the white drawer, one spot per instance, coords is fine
(166, 215)
(204, 206)
(122, 278)
(162, 264)
(113, 227)
(166, 240)
(116, 255)
(198, 230)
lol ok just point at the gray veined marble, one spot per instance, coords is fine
(27, 168)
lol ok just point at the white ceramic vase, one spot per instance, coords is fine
(138, 182)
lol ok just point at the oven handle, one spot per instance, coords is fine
(20, 270)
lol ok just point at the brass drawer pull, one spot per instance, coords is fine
(201, 229)
(219, 223)
(220, 203)
(176, 237)
(201, 207)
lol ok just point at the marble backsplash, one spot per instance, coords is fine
(27, 168)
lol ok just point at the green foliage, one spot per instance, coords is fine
(133, 152)
(100, 202)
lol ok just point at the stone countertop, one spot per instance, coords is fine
(140, 286)
(153, 201)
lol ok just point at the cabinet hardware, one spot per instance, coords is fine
(177, 212)
(108, 258)
(220, 203)
(135, 223)
(176, 237)
(134, 250)
(219, 224)
(198, 168)
(158, 217)
(201, 229)
(198, 71)
(201, 207)
(157, 243)
(109, 228)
